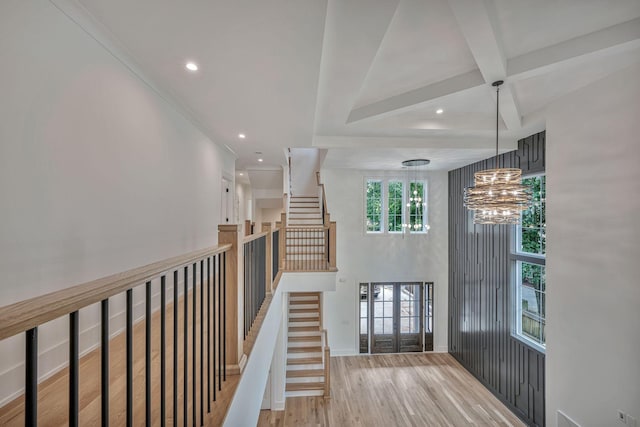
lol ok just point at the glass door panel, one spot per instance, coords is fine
(410, 316)
(383, 307)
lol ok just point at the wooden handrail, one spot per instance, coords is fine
(255, 236)
(327, 365)
(24, 315)
(325, 217)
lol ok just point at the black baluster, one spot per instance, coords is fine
(185, 353)
(208, 336)
(31, 378)
(163, 345)
(129, 366)
(147, 346)
(104, 356)
(201, 341)
(193, 354)
(175, 348)
(219, 331)
(213, 305)
(73, 369)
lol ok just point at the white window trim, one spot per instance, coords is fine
(382, 205)
(518, 257)
(385, 204)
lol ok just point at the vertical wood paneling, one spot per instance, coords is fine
(480, 294)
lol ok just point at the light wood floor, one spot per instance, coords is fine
(53, 393)
(396, 390)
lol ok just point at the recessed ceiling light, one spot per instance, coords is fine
(259, 160)
(242, 136)
(241, 174)
(439, 111)
(191, 66)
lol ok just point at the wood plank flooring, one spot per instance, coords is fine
(429, 389)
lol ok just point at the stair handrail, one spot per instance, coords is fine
(323, 202)
(27, 314)
(326, 361)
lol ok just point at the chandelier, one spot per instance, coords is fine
(498, 196)
(415, 197)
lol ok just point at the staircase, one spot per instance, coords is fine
(305, 360)
(305, 238)
(304, 212)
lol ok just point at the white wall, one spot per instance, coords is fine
(364, 257)
(304, 164)
(244, 201)
(98, 174)
(271, 215)
(593, 315)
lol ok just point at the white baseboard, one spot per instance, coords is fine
(344, 352)
(277, 405)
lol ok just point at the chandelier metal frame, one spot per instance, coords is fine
(498, 196)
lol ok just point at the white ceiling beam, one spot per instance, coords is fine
(620, 38)
(438, 141)
(409, 100)
(477, 21)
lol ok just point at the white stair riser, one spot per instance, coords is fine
(303, 367)
(298, 315)
(304, 393)
(310, 305)
(299, 380)
(304, 200)
(301, 334)
(315, 323)
(303, 355)
(294, 344)
(297, 214)
(304, 210)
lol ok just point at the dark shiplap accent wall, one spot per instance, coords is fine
(480, 294)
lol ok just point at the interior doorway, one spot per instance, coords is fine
(226, 202)
(396, 317)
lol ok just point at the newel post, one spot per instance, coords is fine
(332, 244)
(230, 233)
(266, 226)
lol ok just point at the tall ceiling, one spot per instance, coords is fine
(364, 78)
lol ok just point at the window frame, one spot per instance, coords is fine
(517, 258)
(425, 194)
(384, 222)
(402, 204)
(382, 228)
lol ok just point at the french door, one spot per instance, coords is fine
(396, 317)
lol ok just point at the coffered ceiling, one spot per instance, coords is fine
(364, 78)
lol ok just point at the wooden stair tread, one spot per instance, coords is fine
(308, 338)
(304, 373)
(304, 386)
(304, 310)
(303, 329)
(305, 361)
(303, 302)
(304, 319)
(315, 349)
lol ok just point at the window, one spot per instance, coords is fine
(417, 204)
(402, 203)
(395, 206)
(529, 256)
(374, 206)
